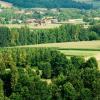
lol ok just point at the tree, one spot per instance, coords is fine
(2, 64)
(86, 94)
(15, 96)
(77, 61)
(14, 76)
(93, 36)
(88, 76)
(46, 69)
(69, 91)
(92, 63)
(4, 36)
(58, 63)
(1, 90)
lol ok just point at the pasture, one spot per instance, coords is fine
(86, 45)
(32, 26)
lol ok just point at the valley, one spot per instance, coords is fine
(49, 50)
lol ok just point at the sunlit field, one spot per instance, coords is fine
(32, 26)
(70, 45)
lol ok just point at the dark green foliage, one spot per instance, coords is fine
(92, 63)
(46, 69)
(1, 90)
(28, 72)
(26, 36)
(50, 4)
(93, 36)
(96, 28)
(5, 36)
(69, 91)
(58, 63)
(89, 75)
(86, 94)
(77, 61)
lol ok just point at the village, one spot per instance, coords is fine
(41, 17)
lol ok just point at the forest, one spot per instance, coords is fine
(50, 4)
(24, 75)
(65, 33)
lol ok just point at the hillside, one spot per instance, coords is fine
(95, 3)
(50, 4)
(5, 4)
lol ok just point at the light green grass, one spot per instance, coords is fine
(91, 45)
(32, 26)
(99, 65)
(79, 53)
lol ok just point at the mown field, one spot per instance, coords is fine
(32, 26)
(93, 45)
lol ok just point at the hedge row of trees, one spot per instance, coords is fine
(24, 74)
(26, 36)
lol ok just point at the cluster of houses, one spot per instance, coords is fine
(44, 21)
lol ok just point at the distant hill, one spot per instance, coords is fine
(5, 4)
(49, 4)
(95, 3)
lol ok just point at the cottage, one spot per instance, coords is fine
(30, 20)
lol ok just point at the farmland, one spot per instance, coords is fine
(70, 45)
(32, 26)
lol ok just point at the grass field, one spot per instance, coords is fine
(45, 26)
(93, 45)
(79, 53)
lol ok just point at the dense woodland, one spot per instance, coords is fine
(24, 75)
(50, 4)
(26, 36)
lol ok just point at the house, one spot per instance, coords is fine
(54, 21)
(48, 20)
(97, 18)
(75, 21)
(19, 11)
(30, 20)
(1, 10)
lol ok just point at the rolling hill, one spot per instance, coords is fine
(49, 4)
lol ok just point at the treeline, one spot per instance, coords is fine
(26, 36)
(25, 72)
(50, 4)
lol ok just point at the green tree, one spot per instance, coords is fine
(69, 91)
(77, 61)
(1, 90)
(92, 63)
(46, 69)
(86, 94)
